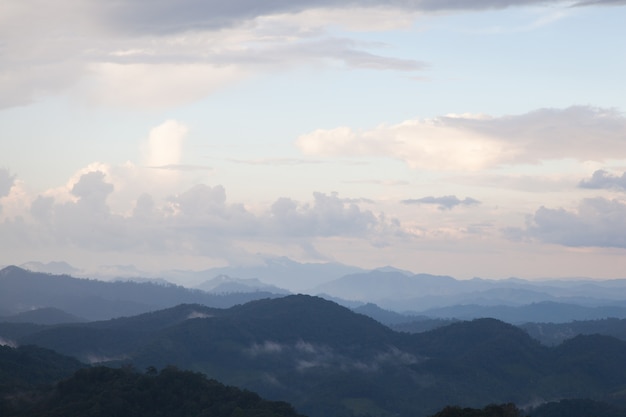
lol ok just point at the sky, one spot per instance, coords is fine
(472, 138)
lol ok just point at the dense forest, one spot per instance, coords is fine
(102, 391)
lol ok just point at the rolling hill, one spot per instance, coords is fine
(328, 360)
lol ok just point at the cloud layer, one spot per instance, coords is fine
(602, 179)
(597, 222)
(166, 53)
(198, 221)
(471, 143)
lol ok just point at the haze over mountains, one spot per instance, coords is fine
(340, 354)
(437, 297)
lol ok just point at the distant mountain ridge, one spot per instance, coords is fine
(22, 291)
(223, 284)
(421, 293)
(437, 297)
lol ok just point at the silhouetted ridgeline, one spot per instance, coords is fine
(105, 392)
(22, 290)
(327, 360)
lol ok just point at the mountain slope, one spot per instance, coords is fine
(327, 360)
(108, 392)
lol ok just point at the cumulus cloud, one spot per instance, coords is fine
(164, 145)
(92, 188)
(602, 179)
(6, 182)
(198, 221)
(597, 222)
(443, 203)
(328, 215)
(475, 142)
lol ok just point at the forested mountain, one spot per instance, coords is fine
(555, 333)
(30, 366)
(542, 312)
(22, 290)
(327, 360)
(45, 315)
(106, 392)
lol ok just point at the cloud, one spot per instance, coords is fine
(157, 84)
(199, 221)
(327, 216)
(92, 188)
(443, 203)
(166, 16)
(164, 144)
(157, 54)
(604, 180)
(475, 142)
(165, 53)
(601, 3)
(6, 182)
(597, 222)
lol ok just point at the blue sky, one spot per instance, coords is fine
(472, 140)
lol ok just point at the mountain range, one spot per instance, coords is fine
(328, 360)
(22, 291)
(405, 296)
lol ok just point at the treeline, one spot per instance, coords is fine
(563, 408)
(110, 392)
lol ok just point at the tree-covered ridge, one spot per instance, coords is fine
(492, 410)
(27, 367)
(330, 361)
(563, 408)
(108, 392)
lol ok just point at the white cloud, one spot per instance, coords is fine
(596, 222)
(602, 179)
(156, 55)
(164, 145)
(166, 53)
(6, 182)
(106, 209)
(479, 142)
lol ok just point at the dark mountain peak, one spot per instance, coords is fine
(160, 319)
(12, 270)
(310, 317)
(46, 315)
(477, 335)
(298, 305)
(592, 343)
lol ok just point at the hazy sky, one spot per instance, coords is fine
(463, 137)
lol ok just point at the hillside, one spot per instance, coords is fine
(328, 360)
(105, 392)
(555, 333)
